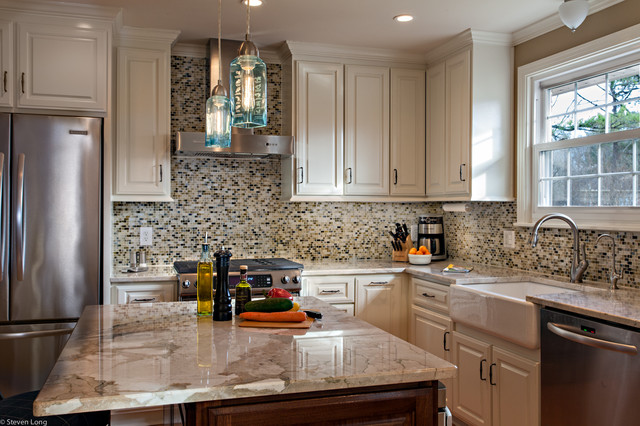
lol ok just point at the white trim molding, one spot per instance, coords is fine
(467, 38)
(612, 50)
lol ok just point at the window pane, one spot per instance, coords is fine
(592, 92)
(554, 163)
(591, 122)
(559, 197)
(583, 160)
(617, 156)
(584, 192)
(561, 99)
(617, 190)
(625, 116)
(624, 84)
(560, 128)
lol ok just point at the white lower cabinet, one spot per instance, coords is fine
(494, 386)
(337, 290)
(141, 292)
(379, 301)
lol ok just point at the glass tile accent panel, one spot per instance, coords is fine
(584, 192)
(617, 190)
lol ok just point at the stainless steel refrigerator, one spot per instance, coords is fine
(50, 224)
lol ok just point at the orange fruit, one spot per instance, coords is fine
(413, 250)
(423, 250)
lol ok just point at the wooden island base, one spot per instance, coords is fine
(402, 404)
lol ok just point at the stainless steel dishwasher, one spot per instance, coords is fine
(590, 371)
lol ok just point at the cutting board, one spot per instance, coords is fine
(265, 324)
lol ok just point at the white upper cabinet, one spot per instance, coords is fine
(6, 63)
(367, 130)
(62, 67)
(469, 119)
(319, 140)
(407, 132)
(143, 157)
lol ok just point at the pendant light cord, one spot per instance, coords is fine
(219, 41)
(248, 19)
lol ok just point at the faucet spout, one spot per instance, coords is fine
(578, 265)
(614, 275)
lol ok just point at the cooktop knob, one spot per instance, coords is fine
(186, 284)
(296, 279)
(285, 279)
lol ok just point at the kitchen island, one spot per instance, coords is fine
(128, 356)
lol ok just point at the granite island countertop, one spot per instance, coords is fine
(128, 356)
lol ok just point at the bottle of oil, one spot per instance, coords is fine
(243, 290)
(205, 282)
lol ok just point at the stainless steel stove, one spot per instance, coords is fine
(263, 274)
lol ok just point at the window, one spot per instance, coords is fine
(579, 134)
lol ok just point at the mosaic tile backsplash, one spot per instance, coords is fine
(238, 203)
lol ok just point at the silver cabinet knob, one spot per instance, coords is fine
(186, 284)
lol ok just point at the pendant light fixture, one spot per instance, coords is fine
(248, 82)
(573, 13)
(218, 109)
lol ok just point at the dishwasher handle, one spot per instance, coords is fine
(567, 333)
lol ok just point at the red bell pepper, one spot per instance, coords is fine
(279, 293)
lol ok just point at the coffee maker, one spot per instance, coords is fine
(431, 235)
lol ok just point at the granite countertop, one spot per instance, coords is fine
(154, 273)
(128, 356)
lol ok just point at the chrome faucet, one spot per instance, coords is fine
(578, 266)
(613, 274)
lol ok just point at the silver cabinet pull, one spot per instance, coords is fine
(2, 221)
(38, 333)
(378, 283)
(20, 220)
(350, 175)
(491, 382)
(22, 82)
(429, 295)
(301, 175)
(160, 172)
(330, 292)
(461, 178)
(150, 299)
(444, 341)
(482, 376)
(395, 176)
(4, 82)
(566, 333)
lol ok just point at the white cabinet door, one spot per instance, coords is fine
(335, 289)
(366, 130)
(471, 391)
(379, 302)
(436, 129)
(516, 389)
(407, 132)
(6, 63)
(143, 167)
(61, 67)
(458, 122)
(319, 128)
(143, 293)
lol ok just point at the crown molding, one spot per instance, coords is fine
(554, 22)
(126, 35)
(467, 38)
(190, 50)
(59, 9)
(347, 53)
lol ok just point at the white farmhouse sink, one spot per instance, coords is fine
(501, 309)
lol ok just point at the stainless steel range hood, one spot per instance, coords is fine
(244, 144)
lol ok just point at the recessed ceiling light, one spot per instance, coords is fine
(253, 2)
(403, 18)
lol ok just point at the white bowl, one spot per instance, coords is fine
(420, 259)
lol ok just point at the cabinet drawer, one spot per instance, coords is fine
(431, 295)
(333, 289)
(349, 308)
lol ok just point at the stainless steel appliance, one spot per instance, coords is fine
(431, 235)
(590, 371)
(263, 275)
(50, 203)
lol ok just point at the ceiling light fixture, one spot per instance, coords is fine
(218, 107)
(573, 13)
(253, 2)
(403, 18)
(248, 81)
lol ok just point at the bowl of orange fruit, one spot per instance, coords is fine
(419, 256)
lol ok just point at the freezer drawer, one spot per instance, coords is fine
(28, 354)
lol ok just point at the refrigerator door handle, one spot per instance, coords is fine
(2, 222)
(37, 333)
(20, 221)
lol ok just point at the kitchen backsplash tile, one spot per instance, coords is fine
(238, 203)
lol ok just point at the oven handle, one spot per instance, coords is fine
(567, 333)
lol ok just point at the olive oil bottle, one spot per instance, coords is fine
(243, 290)
(205, 282)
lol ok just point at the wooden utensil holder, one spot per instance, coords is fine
(403, 255)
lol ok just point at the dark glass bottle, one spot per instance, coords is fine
(222, 299)
(243, 290)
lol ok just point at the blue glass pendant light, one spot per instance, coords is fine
(248, 82)
(218, 109)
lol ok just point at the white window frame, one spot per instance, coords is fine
(606, 53)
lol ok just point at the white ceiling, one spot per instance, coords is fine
(366, 23)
